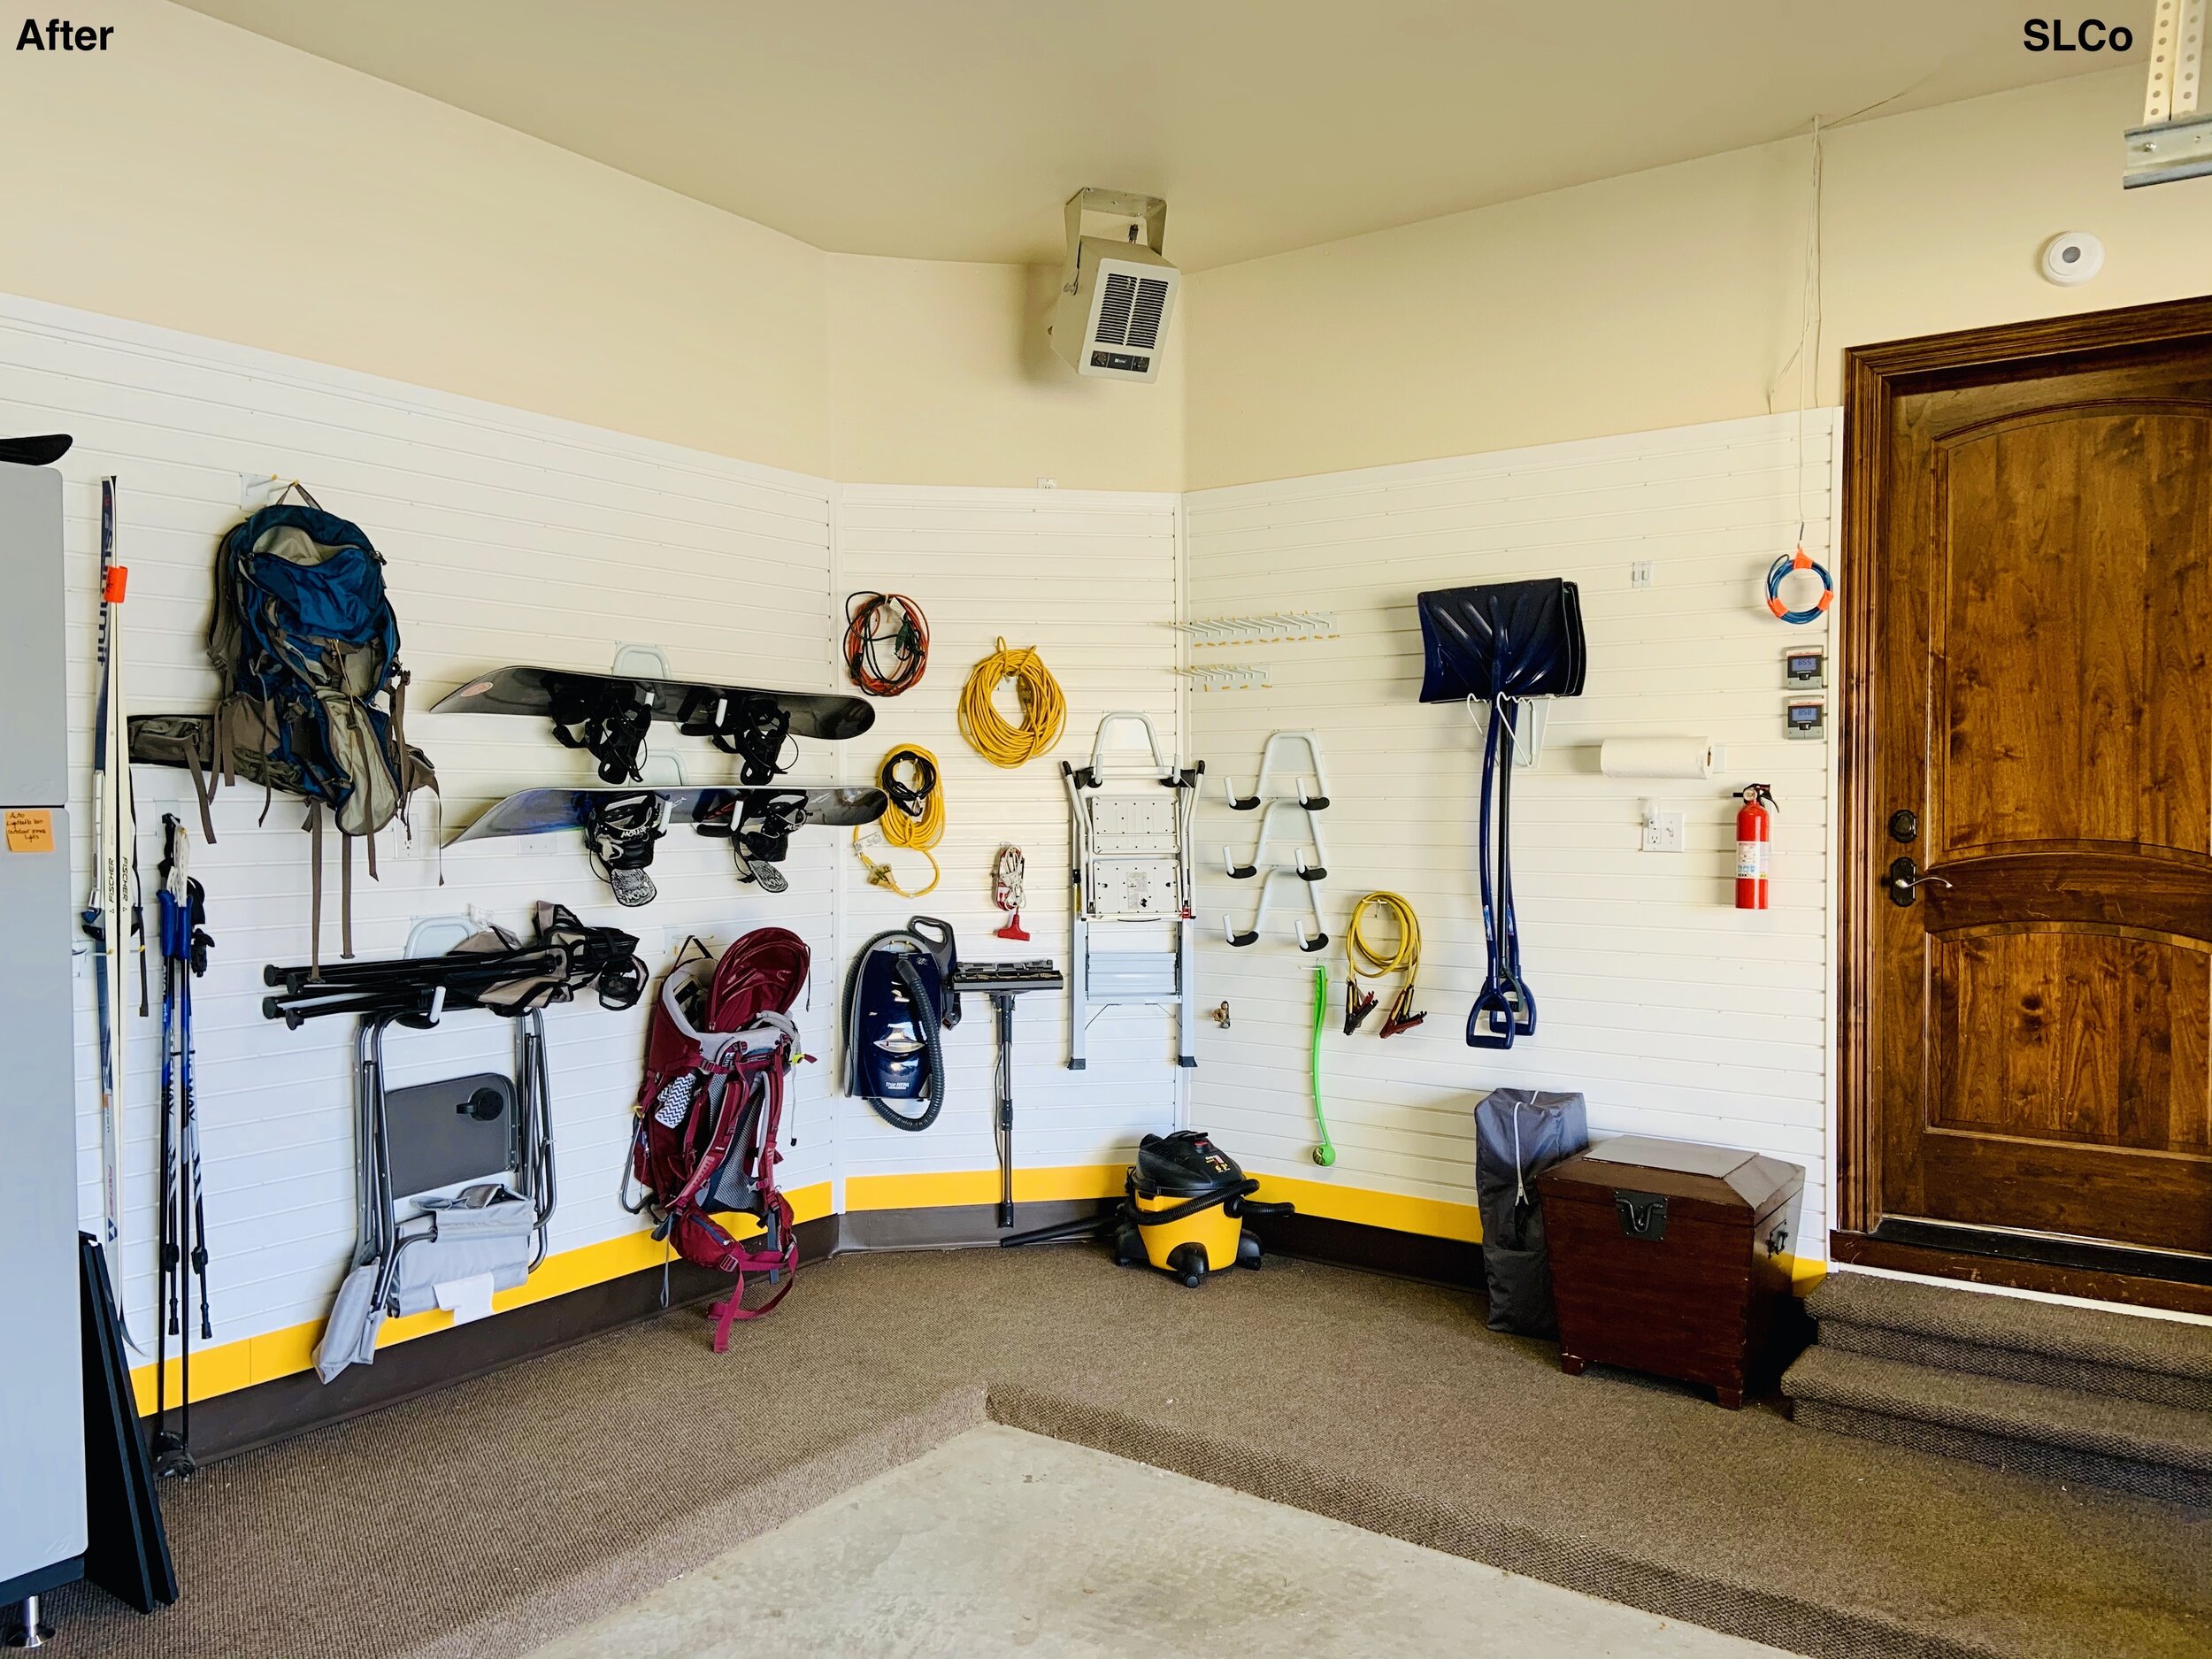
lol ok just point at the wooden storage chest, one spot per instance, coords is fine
(1672, 1258)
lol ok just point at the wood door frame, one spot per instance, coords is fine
(1873, 378)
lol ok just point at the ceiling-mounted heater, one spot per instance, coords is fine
(1116, 291)
(2175, 141)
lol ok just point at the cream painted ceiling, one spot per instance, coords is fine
(953, 129)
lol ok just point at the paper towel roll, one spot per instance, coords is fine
(1657, 757)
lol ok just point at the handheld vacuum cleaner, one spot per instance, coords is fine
(1182, 1210)
(898, 998)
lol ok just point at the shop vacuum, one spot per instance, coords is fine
(1182, 1210)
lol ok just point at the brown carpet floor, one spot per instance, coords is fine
(483, 1519)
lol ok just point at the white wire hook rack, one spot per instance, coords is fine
(1227, 677)
(1281, 628)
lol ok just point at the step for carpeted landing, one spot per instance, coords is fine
(2166, 1362)
(2138, 1446)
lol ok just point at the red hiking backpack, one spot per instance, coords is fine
(716, 1056)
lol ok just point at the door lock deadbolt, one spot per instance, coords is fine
(1904, 824)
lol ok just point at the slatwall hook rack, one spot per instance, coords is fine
(1313, 802)
(1316, 870)
(1309, 942)
(1227, 676)
(1284, 627)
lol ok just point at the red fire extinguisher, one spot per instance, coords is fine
(1755, 845)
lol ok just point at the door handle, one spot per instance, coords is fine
(1904, 882)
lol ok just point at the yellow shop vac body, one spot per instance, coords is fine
(1185, 1207)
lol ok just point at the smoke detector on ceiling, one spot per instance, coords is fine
(1116, 291)
(2071, 258)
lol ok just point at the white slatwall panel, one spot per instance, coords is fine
(1675, 1014)
(508, 537)
(1088, 578)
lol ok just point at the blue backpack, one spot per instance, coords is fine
(313, 699)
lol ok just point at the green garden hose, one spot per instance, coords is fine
(1325, 1154)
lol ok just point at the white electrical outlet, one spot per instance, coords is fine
(1640, 574)
(1663, 833)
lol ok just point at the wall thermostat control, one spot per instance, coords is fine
(1805, 670)
(1805, 717)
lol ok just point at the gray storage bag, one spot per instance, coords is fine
(499, 1239)
(1520, 1133)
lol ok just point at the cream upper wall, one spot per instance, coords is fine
(205, 179)
(1672, 298)
(941, 373)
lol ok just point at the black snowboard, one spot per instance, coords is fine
(541, 811)
(34, 451)
(549, 692)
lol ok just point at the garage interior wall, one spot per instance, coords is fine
(1089, 578)
(508, 537)
(1675, 1014)
(1673, 296)
(551, 304)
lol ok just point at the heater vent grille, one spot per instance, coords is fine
(1144, 324)
(1113, 309)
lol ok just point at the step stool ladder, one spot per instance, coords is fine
(1135, 935)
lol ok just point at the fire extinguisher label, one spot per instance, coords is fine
(1751, 860)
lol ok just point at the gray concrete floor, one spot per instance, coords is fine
(1002, 1543)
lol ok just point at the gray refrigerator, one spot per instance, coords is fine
(42, 1394)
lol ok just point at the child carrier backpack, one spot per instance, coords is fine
(717, 1053)
(314, 700)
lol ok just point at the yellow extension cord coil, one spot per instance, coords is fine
(1044, 710)
(1367, 962)
(901, 829)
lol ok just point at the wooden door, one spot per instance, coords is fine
(2029, 723)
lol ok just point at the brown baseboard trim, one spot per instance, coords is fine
(955, 1226)
(1453, 1262)
(286, 1406)
(1861, 1249)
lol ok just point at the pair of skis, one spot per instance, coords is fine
(113, 918)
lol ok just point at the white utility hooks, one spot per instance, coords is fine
(1283, 627)
(1228, 677)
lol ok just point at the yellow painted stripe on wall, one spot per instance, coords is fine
(1436, 1218)
(257, 1359)
(940, 1188)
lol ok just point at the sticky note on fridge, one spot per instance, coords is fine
(30, 830)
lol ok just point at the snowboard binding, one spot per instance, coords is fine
(611, 722)
(758, 830)
(619, 831)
